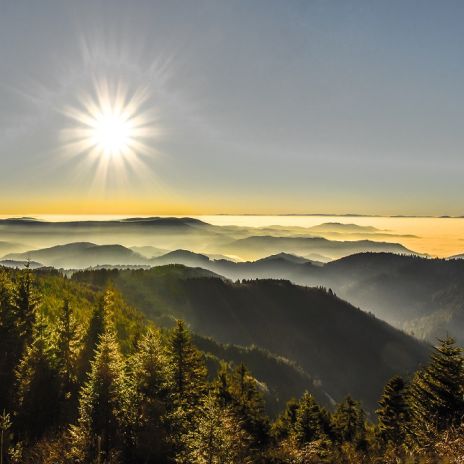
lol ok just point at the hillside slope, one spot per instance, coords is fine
(345, 349)
(419, 295)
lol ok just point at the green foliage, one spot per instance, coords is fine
(149, 372)
(187, 368)
(38, 390)
(146, 398)
(314, 327)
(437, 391)
(348, 422)
(393, 413)
(284, 424)
(10, 341)
(311, 422)
(104, 407)
(25, 302)
(240, 391)
(5, 425)
(216, 437)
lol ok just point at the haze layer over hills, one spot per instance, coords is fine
(420, 296)
(25, 235)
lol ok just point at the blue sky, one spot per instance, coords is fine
(259, 106)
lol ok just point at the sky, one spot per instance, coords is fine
(241, 107)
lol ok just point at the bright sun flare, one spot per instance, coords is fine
(112, 130)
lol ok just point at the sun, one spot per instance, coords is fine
(113, 130)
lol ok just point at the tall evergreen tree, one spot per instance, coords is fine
(5, 425)
(149, 373)
(311, 421)
(65, 350)
(437, 391)
(187, 384)
(37, 389)
(97, 325)
(348, 422)
(66, 343)
(25, 303)
(10, 341)
(187, 368)
(284, 424)
(216, 437)
(241, 392)
(393, 413)
(105, 413)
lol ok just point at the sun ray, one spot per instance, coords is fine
(113, 130)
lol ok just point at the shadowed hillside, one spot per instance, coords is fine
(347, 350)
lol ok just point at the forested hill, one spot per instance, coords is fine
(416, 294)
(347, 350)
(281, 379)
(86, 378)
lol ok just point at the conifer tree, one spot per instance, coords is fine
(216, 437)
(187, 384)
(10, 342)
(348, 422)
(149, 372)
(187, 368)
(66, 341)
(284, 424)
(25, 302)
(97, 326)
(393, 413)
(105, 413)
(247, 402)
(5, 425)
(65, 351)
(311, 421)
(37, 389)
(437, 391)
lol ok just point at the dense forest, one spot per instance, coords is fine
(86, 378)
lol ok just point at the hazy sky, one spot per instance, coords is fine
(258, 106)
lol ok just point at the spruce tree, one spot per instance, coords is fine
(10, 341)
(247, 402)
(105, 412)
(437, 391)
(348, 422)
(284, 424)
(149, 379)
(187, 368)
(97, 326)
(216, 437)
(66, 343)
(393, 413)
(311, 421)
(5, 426)
(25, 302)
(65, 351)
(187, 384)
(38, 391)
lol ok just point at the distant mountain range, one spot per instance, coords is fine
(87, 254)
(152, 237)
(461, 256)
(80, 255)
(20, 264)
(346, 350)
(260, 246)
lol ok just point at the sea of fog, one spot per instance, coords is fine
(436, 236)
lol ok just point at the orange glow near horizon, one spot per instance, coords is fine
(440, 237)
